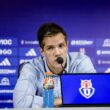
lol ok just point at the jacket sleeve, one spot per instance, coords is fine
(86, 66)
(25, 89)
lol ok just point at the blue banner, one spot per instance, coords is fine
(85, 89)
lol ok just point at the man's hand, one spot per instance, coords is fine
(58, 102)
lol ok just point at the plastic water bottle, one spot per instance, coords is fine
(48, 92)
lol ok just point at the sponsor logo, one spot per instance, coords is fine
(4, 81)
(24, 60)
(103, 62)
(86, 89)
(25, 42)
(82, 42)
(31, 52)
(5, 62)
(103, 52)
(6, 101)
(5, 51)
(106, 43)
(6, 91)
(99, 61)
(7, 71)
(5, 41)
(22, 42)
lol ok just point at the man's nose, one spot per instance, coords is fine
(57, 51)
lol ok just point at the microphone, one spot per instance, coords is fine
(60, 61)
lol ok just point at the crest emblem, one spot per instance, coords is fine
(86, 89)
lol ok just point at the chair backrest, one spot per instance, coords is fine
(20, 67)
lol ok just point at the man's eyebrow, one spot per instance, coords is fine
(61, 43)
(55, 45)
(50, 45)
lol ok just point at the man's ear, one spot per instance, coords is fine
(42, 51)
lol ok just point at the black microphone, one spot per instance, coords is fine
(60, 61)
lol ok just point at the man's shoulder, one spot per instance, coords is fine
(33, 63)
(77, 56)
(37, 61)
(32, 67)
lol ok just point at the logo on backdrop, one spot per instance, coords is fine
(86, 89)
(24, 60)
(5, 51)
(104, 62)
(5, 41)
(28, 42)
(4, 81)
(5, 62)
(103, 52)
(106, 43)
(8, 71)
(82, 42)
(31, 52)
(10, 41)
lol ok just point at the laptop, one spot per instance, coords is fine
(85, 89)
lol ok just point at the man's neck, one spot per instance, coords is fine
(57, 71)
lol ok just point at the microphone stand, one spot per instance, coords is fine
(63, 69)
(60, 61)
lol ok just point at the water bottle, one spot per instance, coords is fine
(48, 92)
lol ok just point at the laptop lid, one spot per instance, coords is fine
(85, 89)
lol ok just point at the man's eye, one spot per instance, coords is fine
(49, 48)
(61, 45)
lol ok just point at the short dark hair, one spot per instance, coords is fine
(49, 30)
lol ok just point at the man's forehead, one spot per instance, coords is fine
(57, 36)
(54, 40)
(55, 44)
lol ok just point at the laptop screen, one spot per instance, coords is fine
(85, 89)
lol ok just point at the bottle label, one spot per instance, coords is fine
(48, 83)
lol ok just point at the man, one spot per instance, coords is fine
(53, 44)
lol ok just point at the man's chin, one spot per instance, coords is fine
(58, 69)
(58, 66)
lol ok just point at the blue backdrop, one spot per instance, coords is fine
(87, 23)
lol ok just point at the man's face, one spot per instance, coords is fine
(54, 47)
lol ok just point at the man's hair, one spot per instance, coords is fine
(49, 30)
